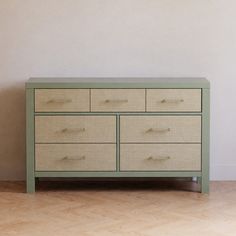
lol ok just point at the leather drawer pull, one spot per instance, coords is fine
(116, 100)
(75, 130)
(73, 158)
(160, 158)
(59, 101)
(172, 100)
(152, 130)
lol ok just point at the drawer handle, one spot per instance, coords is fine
(59, 101)
(73, 158)
(75, 130)
(152, 130)
(172, 100)
(116, 100)
(160, 158)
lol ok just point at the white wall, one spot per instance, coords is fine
(118, 38)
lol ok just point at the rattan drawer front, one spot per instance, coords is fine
(166, 129)
(75, 157)
(61, 100)
(163, 157)
(126, 100)
(75, 129)
(186, 100)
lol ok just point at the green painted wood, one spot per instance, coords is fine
(30, 177)
(205, 140)
(117, 83)
(118, 113)
(117, 143)
(116, 174)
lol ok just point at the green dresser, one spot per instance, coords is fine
(117, 127)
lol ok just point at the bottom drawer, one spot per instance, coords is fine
(75, 157)
(155, 157)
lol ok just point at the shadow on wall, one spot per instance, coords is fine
(12, 133)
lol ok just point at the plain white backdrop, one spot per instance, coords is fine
(118, 38)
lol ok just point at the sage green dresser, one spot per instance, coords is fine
(117, 127)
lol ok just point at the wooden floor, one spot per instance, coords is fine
(118, 208)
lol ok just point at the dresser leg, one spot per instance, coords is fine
(204, 185)
(205, 140)
(30, 185)
(30, 177)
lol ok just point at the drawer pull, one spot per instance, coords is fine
(151, 130)
(59, 101)
(159, 158)
(116, 100)
(172, 100)
(75, 130)
(73, 158)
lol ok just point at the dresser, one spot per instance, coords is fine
(117, 127)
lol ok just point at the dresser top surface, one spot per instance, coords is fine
(122, 82)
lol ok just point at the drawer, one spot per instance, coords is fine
(175, 100)
(117, 100)
(59, 100)
(75, 129)
(169, 129)
(163, 157)
(75, 157)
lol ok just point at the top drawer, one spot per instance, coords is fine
(61, 100)
(186, 100)
(126, 100)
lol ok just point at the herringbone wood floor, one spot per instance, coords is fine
(117, 208)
